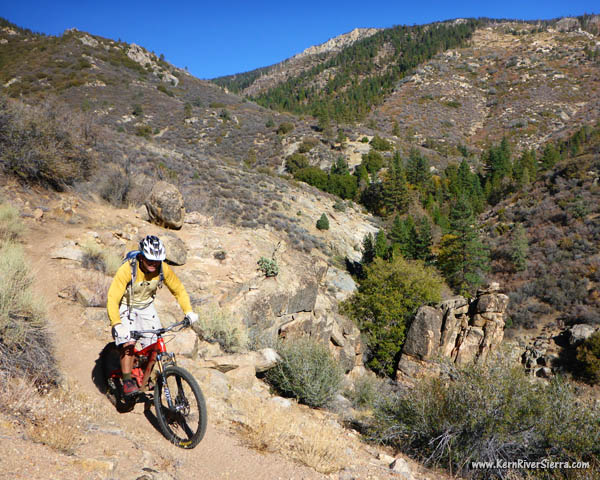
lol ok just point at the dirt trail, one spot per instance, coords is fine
(127, 441)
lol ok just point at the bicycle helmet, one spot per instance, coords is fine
(152, 248)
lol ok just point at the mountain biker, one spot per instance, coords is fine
(130, 301)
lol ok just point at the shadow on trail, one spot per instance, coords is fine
(108, 361)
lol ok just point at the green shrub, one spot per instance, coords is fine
(386, 302)
(11, 226)
(143, 131)
(364, 392)
(307, 145)
(165, 90)
(323, 222)
(381, 144)
(588, 355)
(137, 110)
(218, 325)
(339, 205)
(488, 413)
(25, 346)
(307, 371)
(452, 104)
(285, 128)
(268, 266)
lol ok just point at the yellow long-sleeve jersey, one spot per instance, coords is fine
(144, 290)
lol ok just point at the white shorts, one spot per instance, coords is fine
(140, 319)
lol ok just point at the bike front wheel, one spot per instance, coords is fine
(183, 423)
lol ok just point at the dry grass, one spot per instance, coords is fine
(97, 258)
(11, 226)
(295, 434)
(58, 418)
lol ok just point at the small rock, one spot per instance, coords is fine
(67, 253)
(87, 297)
(401, 467)
(544, 372)
(384, 457)
(280, 402)
(38, 213)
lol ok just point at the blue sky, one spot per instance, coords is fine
(218, 37)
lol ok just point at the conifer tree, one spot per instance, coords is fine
(462, 258)
(368, 249)
(550, 156)
(423, 241)
(519, 248)
(381, 246)
(340, 167)
(395, 189)
(417, 169)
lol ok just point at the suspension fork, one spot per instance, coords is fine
(161, 371)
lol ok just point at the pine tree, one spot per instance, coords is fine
(519, 248)
(340, 167)
(417, 169)
(323, 222)
(368, 249)
(403, 236)
(423, 241)
(381, 246)
(550, 156)
(395, 189)
(462, 258)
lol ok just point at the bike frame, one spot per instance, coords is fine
(156, 353)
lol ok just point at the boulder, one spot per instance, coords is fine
(402, 469)
(567, 24)
(496, 302)
(165, 206)
(423, 338)
(176, 249)
(462, 331)
(260, 361)
(185, 343)
(580, 332)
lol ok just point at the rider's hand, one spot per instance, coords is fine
(191, 317)
(121, 332)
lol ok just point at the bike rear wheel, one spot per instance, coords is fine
(185, 423)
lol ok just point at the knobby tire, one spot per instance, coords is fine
(186, 427)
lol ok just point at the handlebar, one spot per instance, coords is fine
(137, 334)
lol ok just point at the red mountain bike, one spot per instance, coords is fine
(178, 400)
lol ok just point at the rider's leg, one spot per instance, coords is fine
(126, 353)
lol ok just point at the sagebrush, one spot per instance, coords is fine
(218, 325)
(25, 346)
(307, 371)
(488, 413)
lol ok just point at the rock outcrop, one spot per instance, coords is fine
(460, 330)
(165, 206)
(300, 302)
